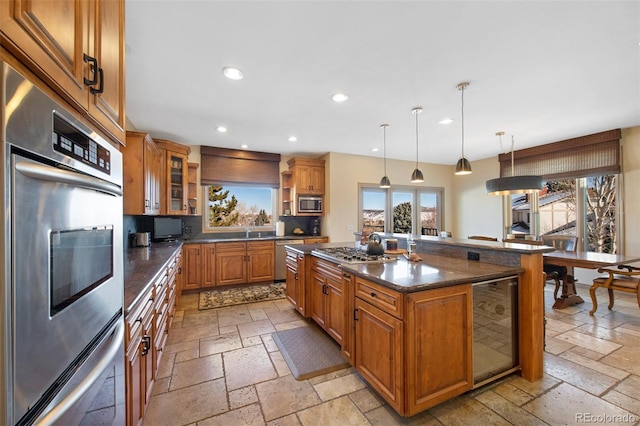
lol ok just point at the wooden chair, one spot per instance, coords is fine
(482, 237)
(619, 280)
(561, 243)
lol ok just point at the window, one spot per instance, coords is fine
(401, 209)
(233, 207)
(582, 207)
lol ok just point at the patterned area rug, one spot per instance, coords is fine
(240, 295)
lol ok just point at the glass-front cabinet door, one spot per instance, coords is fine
(175, 188)
(177, 183)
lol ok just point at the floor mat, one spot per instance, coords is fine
(309, 352)
(240, 295)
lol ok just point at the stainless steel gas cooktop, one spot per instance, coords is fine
(351, 255)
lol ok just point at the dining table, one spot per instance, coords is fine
(581, 259)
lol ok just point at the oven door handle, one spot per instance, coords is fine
(72, 397)
(54, 174)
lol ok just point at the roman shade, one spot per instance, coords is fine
(233, 166)
(596, 154)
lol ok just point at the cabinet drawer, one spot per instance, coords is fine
(260, 245)
(136, 316)
(327, 269)
(379, 296)
(230, 247)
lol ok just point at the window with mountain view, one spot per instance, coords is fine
(401, 209)
(230, 208)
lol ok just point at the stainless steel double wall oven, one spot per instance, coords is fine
(62, 282)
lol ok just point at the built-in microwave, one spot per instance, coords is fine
(308, 204)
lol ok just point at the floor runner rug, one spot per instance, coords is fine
(309, 351)
(239, 295)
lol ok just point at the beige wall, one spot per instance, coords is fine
(343, 174)
(475, 212)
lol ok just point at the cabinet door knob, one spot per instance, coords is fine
(373, 294)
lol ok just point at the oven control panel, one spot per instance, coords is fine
(73, 143)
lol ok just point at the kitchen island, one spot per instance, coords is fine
(407, 327)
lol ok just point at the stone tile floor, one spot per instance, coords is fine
(221, 367)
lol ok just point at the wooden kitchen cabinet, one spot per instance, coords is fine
(147, 328)
(326, 302)
(348, 334)
(141, 175)
(379, 352)
(139, 358)
(423, 343)
(192, 181)
(287, 192)
(308, 176)
(175, 179)
(316, 240)
(208, 263)
(200, 266)
(77, 47)
(439, 346)
(295, 280)
(192, 266)
(244, 262)
(231, 263)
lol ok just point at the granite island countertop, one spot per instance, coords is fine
(432, 272)
(142, 266)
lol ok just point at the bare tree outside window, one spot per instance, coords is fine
(601, 205)
(600, 211)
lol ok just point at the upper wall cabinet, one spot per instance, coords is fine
(142, 174)
(175, 186)
(308, 176)
(77, 47)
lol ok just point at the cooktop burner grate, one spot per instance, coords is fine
(352, 255)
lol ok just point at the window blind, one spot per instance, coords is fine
(232, 166)
(591, 155)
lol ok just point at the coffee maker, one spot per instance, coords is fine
(315, 230)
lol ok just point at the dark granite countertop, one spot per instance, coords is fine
(432, 272)
(201, 240)
(142, 266)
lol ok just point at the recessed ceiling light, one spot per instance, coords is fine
(292, 139)
(374, 150)
(221, 129)
(339, 97)
(244, 146)
(445, 121)
(233, 73)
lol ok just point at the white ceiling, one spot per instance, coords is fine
(541, 71)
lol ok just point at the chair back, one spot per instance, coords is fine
(482, 237)
(522, 241)
(561, 242)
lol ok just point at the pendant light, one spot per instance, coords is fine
(416, 176)
(513, 184)
(385, 182)
(463, 167)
